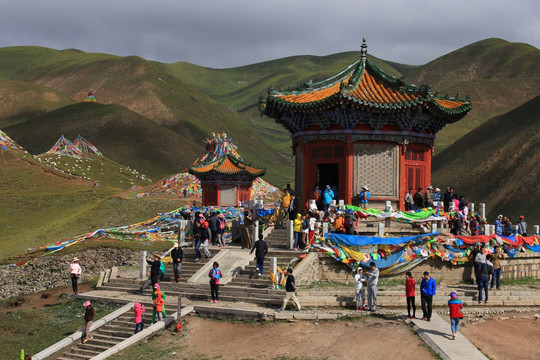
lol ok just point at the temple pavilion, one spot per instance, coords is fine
(363, 127)
(226, 179)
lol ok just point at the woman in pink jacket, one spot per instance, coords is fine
(75, 272)
(138, 310)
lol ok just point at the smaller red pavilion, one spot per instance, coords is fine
(226, 179)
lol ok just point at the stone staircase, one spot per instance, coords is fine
(277, 239)
(189, 265)
(107, 336)
(249, 277)
(396, 298)
(201, 292)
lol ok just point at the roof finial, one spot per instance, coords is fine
(363, 50)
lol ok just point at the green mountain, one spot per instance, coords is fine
(148, 89)
(497, 163)
(498, 75)
(119, 133)
(154, 116)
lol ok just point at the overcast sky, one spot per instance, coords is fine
(231, 33)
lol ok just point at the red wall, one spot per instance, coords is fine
(415, 160)
(327, 152)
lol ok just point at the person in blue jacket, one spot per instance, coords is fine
(499, 225)
(328, 196)
(364, 197)
(428, 288)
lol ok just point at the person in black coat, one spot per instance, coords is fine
(419, 199)
(177, 255)
(447, 198)
(294, 208)
(261, 248)
(198, 236)
(154, 272)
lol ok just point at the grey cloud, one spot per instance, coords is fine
(235, 32)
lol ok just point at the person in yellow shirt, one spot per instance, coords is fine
(297, 230)
(339, 222)
(285, 203)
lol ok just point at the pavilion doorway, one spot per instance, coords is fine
(328, 174)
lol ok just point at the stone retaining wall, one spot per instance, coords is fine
(524, 265)
(52, 271)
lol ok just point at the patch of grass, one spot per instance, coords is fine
(326, 284)
(163, 345)
(36, 329)
(47, 207)
(391, 282)
(527, 281)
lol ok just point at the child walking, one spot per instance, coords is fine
(214, 275)
(360, 288)
(409, 293)
(455, 306)
(138, 310)
(159, 301)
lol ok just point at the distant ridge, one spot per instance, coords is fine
(497, 164)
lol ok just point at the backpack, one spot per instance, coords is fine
(221, 224)
(162, 267)
(204, 223)
(347, 223)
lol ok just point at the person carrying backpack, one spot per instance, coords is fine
(364, 197)
(220, 229)
(214, 275)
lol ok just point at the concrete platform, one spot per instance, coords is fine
(438, 336)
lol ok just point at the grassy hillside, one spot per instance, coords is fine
(150, 90)
(499, 76)
(21, 101)
(497, 163)
(240, 87)
(40, 205)
(120, 134)
(194, 101)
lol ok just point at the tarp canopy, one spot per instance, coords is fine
(358, 240)
(418, 216)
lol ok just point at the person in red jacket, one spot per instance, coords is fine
(159, 302)
(409, 293)
(455, 306)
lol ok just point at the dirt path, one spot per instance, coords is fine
(42, 298)
(506, 336)
(368, 337)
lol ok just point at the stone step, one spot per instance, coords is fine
(110, 337)
(76, 356)
(90, 346)
(124, 323)
(84, 352)
(124, 334)
(103, 342)
(251, 278)
(205, 290)
(174, 287)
